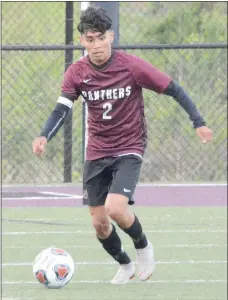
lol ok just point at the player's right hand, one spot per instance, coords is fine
(38, 145)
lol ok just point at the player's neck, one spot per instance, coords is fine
(104, 63)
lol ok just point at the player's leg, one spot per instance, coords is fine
(117, 208)
(97, 180)
(126, 174)
(110, 240)
(107, 235)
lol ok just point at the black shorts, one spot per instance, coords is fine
(117, 175)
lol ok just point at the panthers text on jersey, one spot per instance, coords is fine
(113, 93)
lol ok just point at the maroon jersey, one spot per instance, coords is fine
(113, 93)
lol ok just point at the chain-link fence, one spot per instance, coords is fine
(31, 83)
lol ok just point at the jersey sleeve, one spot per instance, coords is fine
(148, 76)
(70, 87)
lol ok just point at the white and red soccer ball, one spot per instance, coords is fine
(53, 268)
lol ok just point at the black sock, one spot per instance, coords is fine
(137, 235)
(113, 246)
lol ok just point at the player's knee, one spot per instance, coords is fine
(114, 212)
(116, 206)
(102, 227)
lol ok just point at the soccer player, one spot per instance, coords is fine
(111, 83)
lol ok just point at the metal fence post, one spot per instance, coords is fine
(113, 9)
(84, 6)
(68, 122)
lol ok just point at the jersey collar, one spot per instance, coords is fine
(105, 65)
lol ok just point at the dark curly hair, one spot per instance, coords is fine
(96, 19)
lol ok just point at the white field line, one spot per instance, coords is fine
(60, 194)
(127, 246)
(192, 246)
(171, 218)
(117, 297)
(92, 232)
(4, 298)
(182, 184)
(187, 281)
(166, 218)
(50, 220)
(95, 263)
(42, 198)
(140, 184)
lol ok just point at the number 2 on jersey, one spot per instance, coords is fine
(108, 107)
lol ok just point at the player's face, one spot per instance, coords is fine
(98, 45)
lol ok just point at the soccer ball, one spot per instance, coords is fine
(53, 268)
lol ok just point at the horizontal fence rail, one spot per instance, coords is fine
(120, 47)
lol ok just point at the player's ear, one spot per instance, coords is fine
(111, 36)
(81, 39)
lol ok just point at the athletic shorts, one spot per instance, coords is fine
(117, 175)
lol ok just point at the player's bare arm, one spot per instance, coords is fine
(52, 126)
(177, 92)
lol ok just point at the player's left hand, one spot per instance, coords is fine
(205, 134)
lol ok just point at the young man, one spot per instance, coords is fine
(111, 83)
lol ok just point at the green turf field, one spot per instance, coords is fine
(190, 245)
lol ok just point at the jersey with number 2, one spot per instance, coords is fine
(113, 94)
